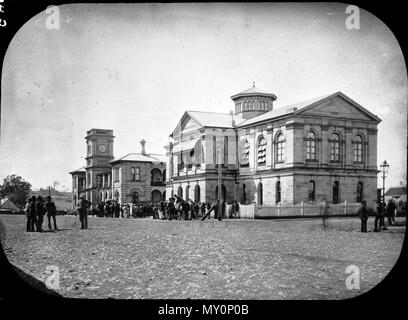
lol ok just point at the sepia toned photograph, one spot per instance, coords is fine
(203, 151)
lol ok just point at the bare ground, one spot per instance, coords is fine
(232, 259)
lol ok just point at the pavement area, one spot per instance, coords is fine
(229, 259)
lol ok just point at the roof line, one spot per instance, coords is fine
(208, 112)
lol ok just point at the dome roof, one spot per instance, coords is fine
(253, 91)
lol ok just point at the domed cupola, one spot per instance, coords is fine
(253, 102)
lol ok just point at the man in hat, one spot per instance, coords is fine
(51, 212)
(31, 214)
(40, 210)
(363, 214)
(83, 206)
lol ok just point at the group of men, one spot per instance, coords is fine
(174, 209)
(35, 210)
(379, 221)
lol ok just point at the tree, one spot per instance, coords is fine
(16, 188)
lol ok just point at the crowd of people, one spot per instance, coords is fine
(382, 211)
(173, 209)
(35, 210)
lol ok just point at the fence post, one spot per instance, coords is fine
(345, 207)
(301, 208)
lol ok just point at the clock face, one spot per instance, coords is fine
(102, 148)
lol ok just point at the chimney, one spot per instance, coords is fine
(143, 142)
(232, 118)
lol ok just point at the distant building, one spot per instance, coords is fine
(396, 194)
(131, 178)
(320, 149)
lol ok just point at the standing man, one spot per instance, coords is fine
(379, 217)
(363, 214)
(390, 209)
(40, 210)
(51, 213)
(83, 206)
(31, 214)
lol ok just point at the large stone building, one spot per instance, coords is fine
(321, 149)
(131, 178)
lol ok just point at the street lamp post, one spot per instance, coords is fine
(384, 170)
(219, 143)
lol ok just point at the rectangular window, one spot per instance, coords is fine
(225, 150)
(137, 174)
(117, 173)
(133, 173)
(215, 149)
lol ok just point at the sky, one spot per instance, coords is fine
(135, 69)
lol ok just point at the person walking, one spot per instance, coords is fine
(31, 214)
(390, 210)
(51, 213)
(83, 206)
(40, 210)
(363, 214)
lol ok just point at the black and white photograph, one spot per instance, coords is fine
(203, 151)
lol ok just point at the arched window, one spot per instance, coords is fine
(187, 193)
(156, 196)
(243, 200)
(335, 148)
(156, 175)
(260, 193)
(278, 192)
(135, 196)
(336, 192)
(197, 193)
(312, 190)
(311, 146)
(223, 192)
(359, 192)
(245, 106)
(280, 148)
(245, 154)
(358, 149)
(180, 192)
(261, 151)
(225, 150)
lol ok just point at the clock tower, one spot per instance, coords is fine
(99, 151)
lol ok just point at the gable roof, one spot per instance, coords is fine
(214, 119)
(210, 119)
(396, 191)
(7, 203)
(139, 157)
(80, 170)
(302, 106)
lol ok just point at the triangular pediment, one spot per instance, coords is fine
(339, 106)
(186, 124)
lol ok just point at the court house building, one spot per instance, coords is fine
(128, 179)
(320, 149)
